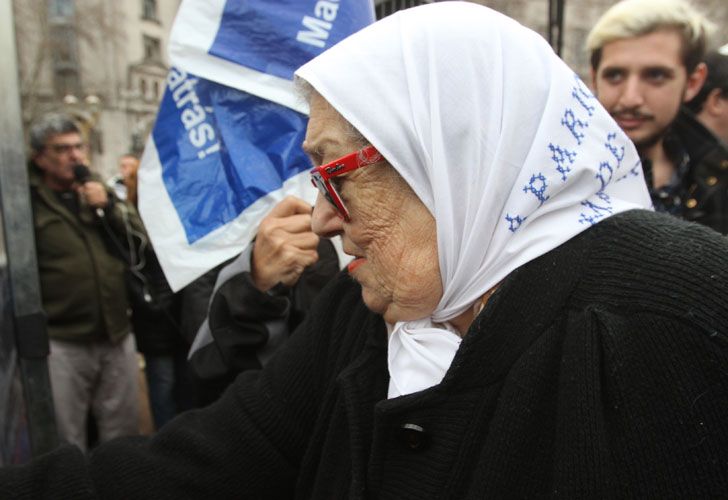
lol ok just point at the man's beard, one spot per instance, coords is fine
(649, 141)
(656, 137)
(653, 139)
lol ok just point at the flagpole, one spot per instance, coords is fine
(556, 25)
(31, 338)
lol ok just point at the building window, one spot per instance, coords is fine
(152, 50)
(143, 88)
(387, 7)
(149, 10)
(63, 46)
(60, 9)
(64, 54)
(155, 86)
(66, 82)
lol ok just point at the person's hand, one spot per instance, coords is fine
(94, 193)
(285, 245)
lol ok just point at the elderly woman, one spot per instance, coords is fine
(516, 326)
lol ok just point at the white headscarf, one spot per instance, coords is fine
(502, 142)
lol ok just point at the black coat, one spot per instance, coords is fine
(705, 198)
(596, 370)
(82, 282)
(155, 311)
(247, 325)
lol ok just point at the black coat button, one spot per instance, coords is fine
(413, 437)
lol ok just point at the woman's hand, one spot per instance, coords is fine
(285, 245)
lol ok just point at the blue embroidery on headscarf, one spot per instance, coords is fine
(560, 156)
(597, 211)
(565, 156)
(515, 222)
(632, 172)
(605, 174)
(618, 153)
(582, 94)
(540, 191)
(571, 122)
(600, 174)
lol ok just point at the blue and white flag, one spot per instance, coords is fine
(226, 145)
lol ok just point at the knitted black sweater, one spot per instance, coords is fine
(597, 370)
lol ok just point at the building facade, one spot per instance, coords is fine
(103, 62)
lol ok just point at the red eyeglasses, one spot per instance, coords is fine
(321, 176)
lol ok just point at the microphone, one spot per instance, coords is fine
(82, 175)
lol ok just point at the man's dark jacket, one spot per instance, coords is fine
(82, 283)
(705, 198)
(598, 370)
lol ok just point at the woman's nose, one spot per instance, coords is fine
(325, 221)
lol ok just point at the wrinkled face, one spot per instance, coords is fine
(56, 160)
(642, 81)
(390, 233)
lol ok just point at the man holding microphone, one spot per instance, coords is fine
(93, 363)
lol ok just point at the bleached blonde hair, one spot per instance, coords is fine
(632, 18)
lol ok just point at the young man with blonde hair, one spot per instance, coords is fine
(646, 61)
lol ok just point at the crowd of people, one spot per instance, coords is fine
(536, 305)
